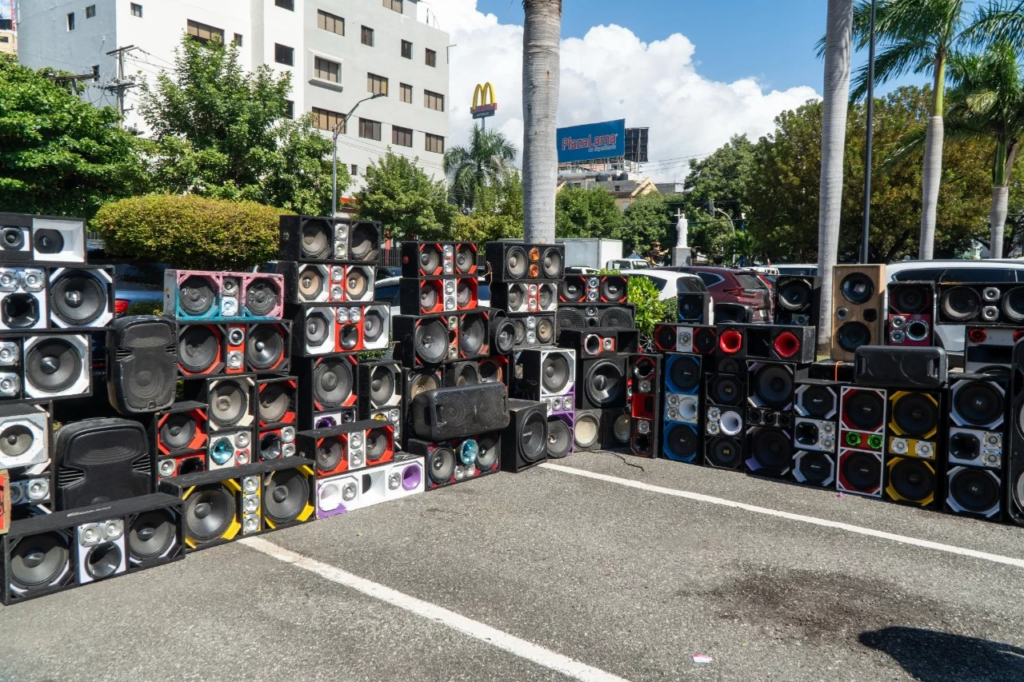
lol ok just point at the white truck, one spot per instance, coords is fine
(585, 252)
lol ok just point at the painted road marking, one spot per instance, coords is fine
(510, 643)
(860, 530)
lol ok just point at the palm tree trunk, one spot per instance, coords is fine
(931, 176)
(541, 36)
(838, 41)
(997, 219)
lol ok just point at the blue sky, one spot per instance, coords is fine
(772, 40)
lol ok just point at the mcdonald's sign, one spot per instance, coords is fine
(484, 104)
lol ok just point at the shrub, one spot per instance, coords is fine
(188, 231)
(146, 308)
(650, 310)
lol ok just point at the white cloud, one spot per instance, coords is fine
(609, 74)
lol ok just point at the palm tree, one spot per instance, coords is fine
(987, 100)
(482, 163)
(837, 48)
(541, 35)
(916, 36)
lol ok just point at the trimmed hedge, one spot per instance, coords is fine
(188, 231)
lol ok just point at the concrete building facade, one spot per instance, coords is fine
(338, 52)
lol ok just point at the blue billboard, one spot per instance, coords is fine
(592, 141)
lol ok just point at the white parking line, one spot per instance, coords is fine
(510, 643)
(860, 530)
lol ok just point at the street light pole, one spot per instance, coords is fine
(343, 123)
(870, 125)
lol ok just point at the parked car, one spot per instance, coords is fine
(733, 285)
(138, 283)
(627, 264)
(951, 337)
(669, 283)
(388, 289)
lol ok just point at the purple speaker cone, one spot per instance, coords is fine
(411, 477)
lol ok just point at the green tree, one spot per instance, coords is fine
(722, 178)
(499, 212)
(646, 221)
(586, 213)
(220, 131)
(482, 164)
(58, 154)
(406, 200)
(784, 186)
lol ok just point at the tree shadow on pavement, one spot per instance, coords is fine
(942, 657)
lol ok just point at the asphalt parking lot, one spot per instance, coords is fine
(554, 574)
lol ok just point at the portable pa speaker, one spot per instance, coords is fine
(327, 282)
(29, 238)
(348, 492)
(307, 238)
(47, 554)
(694, 307)
(23, 299)
(601, 382)
(897, 367)
(101, 460)
(458, 460)
(857, 312)
(796, 300)
(459, 412)
(990, 304)
(524, 443)
(911, 317)
(24, 436)
(540, 374)
(605, 315)
(436, 259)
(347, 447)
(179, 435)
(142, 365)
(514, 261)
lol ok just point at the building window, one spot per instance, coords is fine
(435, 143)
(378, 85)
(136, 10)
(289, 109)
(407, 49)
(5, 39)
(286, 4)
(204, 33)
(367, 36)
(90, 11)
(432, 100)
(406, 93)
(71, 21)
(401, 136)
(326, 120)
(330, 22)
(431, 58)
(325, 69)
(284, 54)
(354, 169)
(395, 5)
(96, 71)
(237, 39)
(369, 129)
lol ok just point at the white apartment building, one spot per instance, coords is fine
(338, 52)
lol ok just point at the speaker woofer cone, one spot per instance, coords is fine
(318, 328)
(431, 342)
(285, 495)
(53, 365)
(555, 373)
(229, 402)
(376, 443)
(196, 295)
(103, 560)
(773, 384)
(421, 383)
(682, 442)
(865, 410)
(559, 438)
(613, 289)
(504, 334)
(572, 289)
(533, 437)
(464, 293)
(795, 295)
(332, 382)
(861, 470)
(317, 237)
(198, 349)
(912, 479)
(275, 401)
(911, 299)
(20, 311)
(310, 282)
(178, 430)
(726, 390)
(552, 263)
(328, 454)
(974, 489)
(853, 335)
(545, 330)
(265, 346)
(382, 385)
(472, 333)
(816, 467)
(15, 440)
(364, 240)
(261, 297)
(441, 465)
(586, 431)
(487, 458)
(961, 304)
(430, 295)
(604, 383)
(725, 453)
(916, 415)
(772, 449)
(151, 534)
(978, 402)
(39, 560)
(209, 512)
(516, 262)
(818, 401)
(857, 288)
(465, 259)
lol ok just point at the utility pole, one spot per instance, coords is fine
(120, 85)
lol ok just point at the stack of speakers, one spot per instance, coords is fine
(456, 401)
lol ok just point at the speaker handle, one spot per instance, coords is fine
(435, 411)
(861, 365)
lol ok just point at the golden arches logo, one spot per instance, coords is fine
(484, 101)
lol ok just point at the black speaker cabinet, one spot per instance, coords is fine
(524, 442)
(326, 384)
(901, 367)
(533, 330)
(540, 374)
(857, 311)
(309, 238)
(515, 261)
(380, 386)
(437, 259)
(797, 299)
(646, 378)
(1015, 463)
(426, 339)
(587, 315)
(46, 554)
(911, 313)
(458, 460)
(587, 431)
(982, 453)
(913, 437)
(601, 382)
(775, 343)
(502, 333)
(734, 312)
(101, 460)
(460, 412)
(694, 307)
(685, 338)
(596, 342)
(725, 418)
(346, 447)
(142, 368)
(29, 238)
